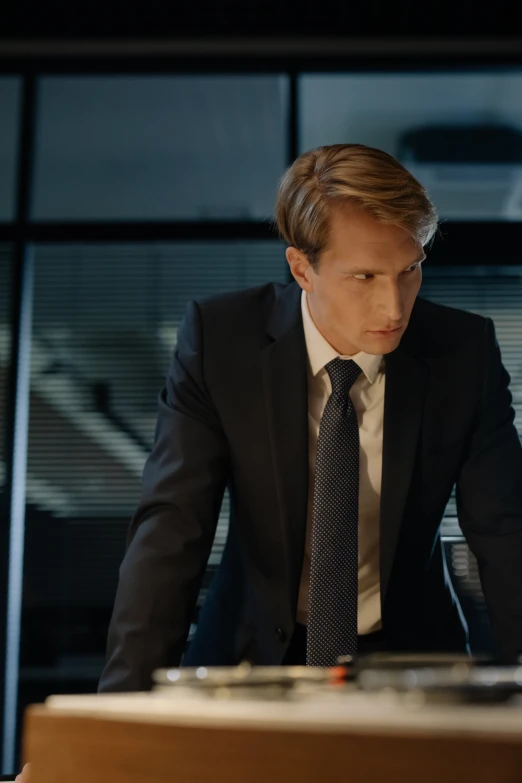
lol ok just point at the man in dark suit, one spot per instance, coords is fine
(340, 410)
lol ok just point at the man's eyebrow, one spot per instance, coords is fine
(361, 271)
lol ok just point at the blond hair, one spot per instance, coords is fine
(339, 174)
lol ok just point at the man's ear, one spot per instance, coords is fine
(300, 268)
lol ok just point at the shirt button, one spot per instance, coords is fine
(281, 635)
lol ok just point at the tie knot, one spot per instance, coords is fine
(343, 374)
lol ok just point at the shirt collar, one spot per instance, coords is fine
(320, 352)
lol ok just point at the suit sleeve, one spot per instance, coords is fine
(489, 501)
(173, 528)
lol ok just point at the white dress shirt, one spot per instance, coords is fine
(367, 395)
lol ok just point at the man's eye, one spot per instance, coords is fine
(365, 277)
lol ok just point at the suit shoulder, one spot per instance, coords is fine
(442, 316)
(437, 329)
(243, 307)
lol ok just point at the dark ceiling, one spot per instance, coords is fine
(152, 19)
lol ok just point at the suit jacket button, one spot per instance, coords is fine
(281, 635)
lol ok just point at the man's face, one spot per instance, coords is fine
(366, 282)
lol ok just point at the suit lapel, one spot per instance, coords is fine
(286, 398)
(405, 393)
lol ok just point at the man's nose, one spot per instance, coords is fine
(392, 304)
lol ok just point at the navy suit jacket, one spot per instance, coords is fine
(234, 413)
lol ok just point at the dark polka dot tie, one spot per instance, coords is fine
(332, 617)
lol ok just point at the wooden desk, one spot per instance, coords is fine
(137, 738)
